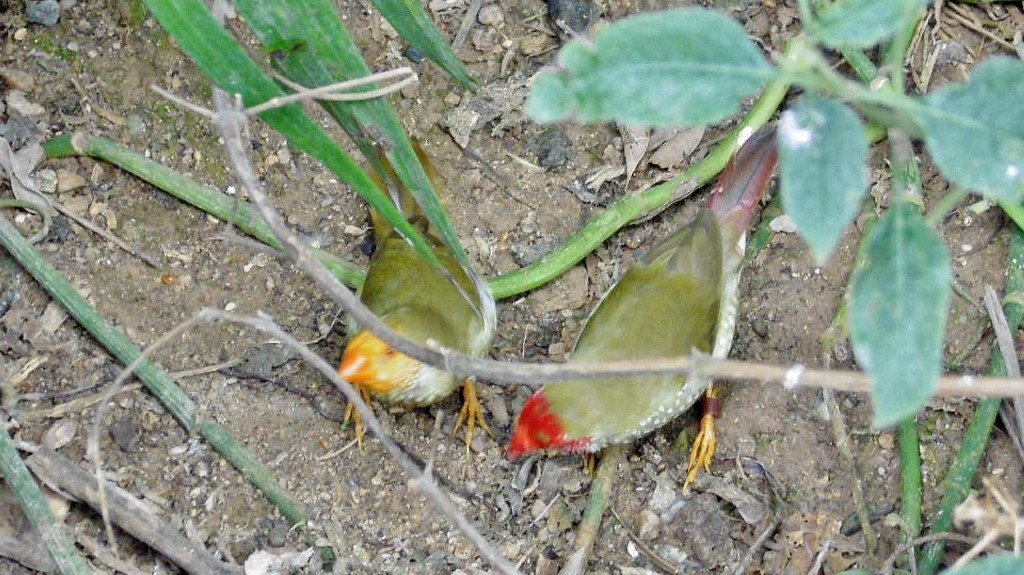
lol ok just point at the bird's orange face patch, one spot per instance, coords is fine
(373, 365)
(539, 428)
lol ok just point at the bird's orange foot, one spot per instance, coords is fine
(357, 419)
(472, 414)
(703, 450)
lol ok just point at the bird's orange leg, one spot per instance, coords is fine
(703, 450)
(357, 419)
(472, 414)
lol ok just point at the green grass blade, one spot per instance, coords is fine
(312, 47)
(416, 27)
(224, 61)
(632, 206)
(33, 502)
(154, 378)
(207, 198)
(957, 483)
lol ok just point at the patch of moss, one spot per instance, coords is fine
(53, 48)
(137, 12)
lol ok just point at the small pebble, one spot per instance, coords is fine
(59, 434)
(125, 434)
(68, 181)
(783, 224)
(414, 55)
(20, 34)
(648, 525)
(136, 125)
(886, 441)
(491, 15)
(46, 12)
(46, 180)
(17, 102)
(17, 80)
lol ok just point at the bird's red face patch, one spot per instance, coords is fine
(539, 428)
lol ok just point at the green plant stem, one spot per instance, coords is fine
(597, 502)
(910, 478)
(804, 65)
(36, 508)
(152, 376)
(807, 18)
(207, 198)
(1014, 210)
(861, 64)
(906, 186)
(895, 51)
(633, 206)
(961, 473)
(945, 205)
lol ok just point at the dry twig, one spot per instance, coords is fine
(127, 512)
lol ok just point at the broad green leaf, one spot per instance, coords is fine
(898, 308)
(991, 565)
(823, 154)
(975, 131)
(312, 47)
(678, 67)
(229, 66)
(862, 23)
(411, 21)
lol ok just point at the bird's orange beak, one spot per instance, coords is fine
(356, 366)
(353, 367)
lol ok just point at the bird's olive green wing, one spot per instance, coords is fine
(667, 305)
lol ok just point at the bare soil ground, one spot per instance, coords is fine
(91, 72)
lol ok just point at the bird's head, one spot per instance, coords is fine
(375, 366)
(539, 428)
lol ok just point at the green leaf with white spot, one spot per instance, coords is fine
(863, 23)
(823, 154)
(975, 131)
(898, 305)
(678, 67)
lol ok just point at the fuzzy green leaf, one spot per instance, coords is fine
(822, 165)
(862, 23)
(991, 565)
(975, 131)
(898, 306)
(678, 67)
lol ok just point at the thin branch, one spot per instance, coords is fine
(93, 439)
(890, 564)
(333, 92)
(128, 512)
(1011, 412)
